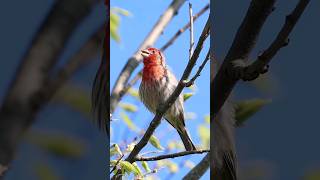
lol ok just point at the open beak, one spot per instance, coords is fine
(145, 53)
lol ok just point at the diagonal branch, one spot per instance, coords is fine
(133, 62)
(242, 45)
(173, 155)
(164, 107)
(20, 105)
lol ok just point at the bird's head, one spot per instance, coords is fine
(152, 56)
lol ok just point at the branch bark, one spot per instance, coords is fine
(20, 105)
(174, 155)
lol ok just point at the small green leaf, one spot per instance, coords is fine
(173, 167)
(207, 118)
(114, 26)
(189, 164)
(139, 173)
(128, 122)
(114, 150)
(155, 142)
(120, 11)
(128, 167)
(204, 134)
(128, 107)
(247, 108)
(146, 167)
(134, 93)
(130, 147)
(75, 97)
(186, 96)
(113, 163)
(57, 144)
(45, 172)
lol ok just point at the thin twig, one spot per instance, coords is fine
(191, 81)
(118, 161)
(197, 171)
(184, 28)
(191, 31)
(173, 155)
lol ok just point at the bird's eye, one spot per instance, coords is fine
(153, 51)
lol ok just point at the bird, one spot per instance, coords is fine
(223, 153)
(157, 84)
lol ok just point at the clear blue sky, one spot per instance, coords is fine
(132, 31)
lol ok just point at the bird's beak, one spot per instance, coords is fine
(145, 53)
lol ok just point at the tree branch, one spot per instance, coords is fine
(133, 62)
(197, 171)
(173, 155)
(252, 71)
(164, 107)
(20, 105)
(191, 81)
(242, 45)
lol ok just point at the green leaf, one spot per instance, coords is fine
(128, 107)
(204, 134)
(207, 118)
(57, 143)
(115, 22)
(114, 26)
(145, 166)
(120, 11)
(312, 175)
(128, 122)
(247, 108)
(155, 142)
(186, 96)
(76, 97)
(113, 163)
(172, 166)
(130, 147)
(128, 167)
(44, 172)
(189, 164)
(134, 93)
(114, 150)
(139, 173)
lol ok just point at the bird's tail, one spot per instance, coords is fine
(186, 139)
(223, 155)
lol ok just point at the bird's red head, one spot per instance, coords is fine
(152, 56)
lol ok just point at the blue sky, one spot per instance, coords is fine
(132, 31)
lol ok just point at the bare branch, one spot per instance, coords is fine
(242, 45)
(173, 155)
(185, 27)
(191, 30)
(197, 171)
(260, 66)
(115, 166)
(133, 62)
(191, 81)
(21, 101)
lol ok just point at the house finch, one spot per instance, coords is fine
(157, 84)
(223, 154)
